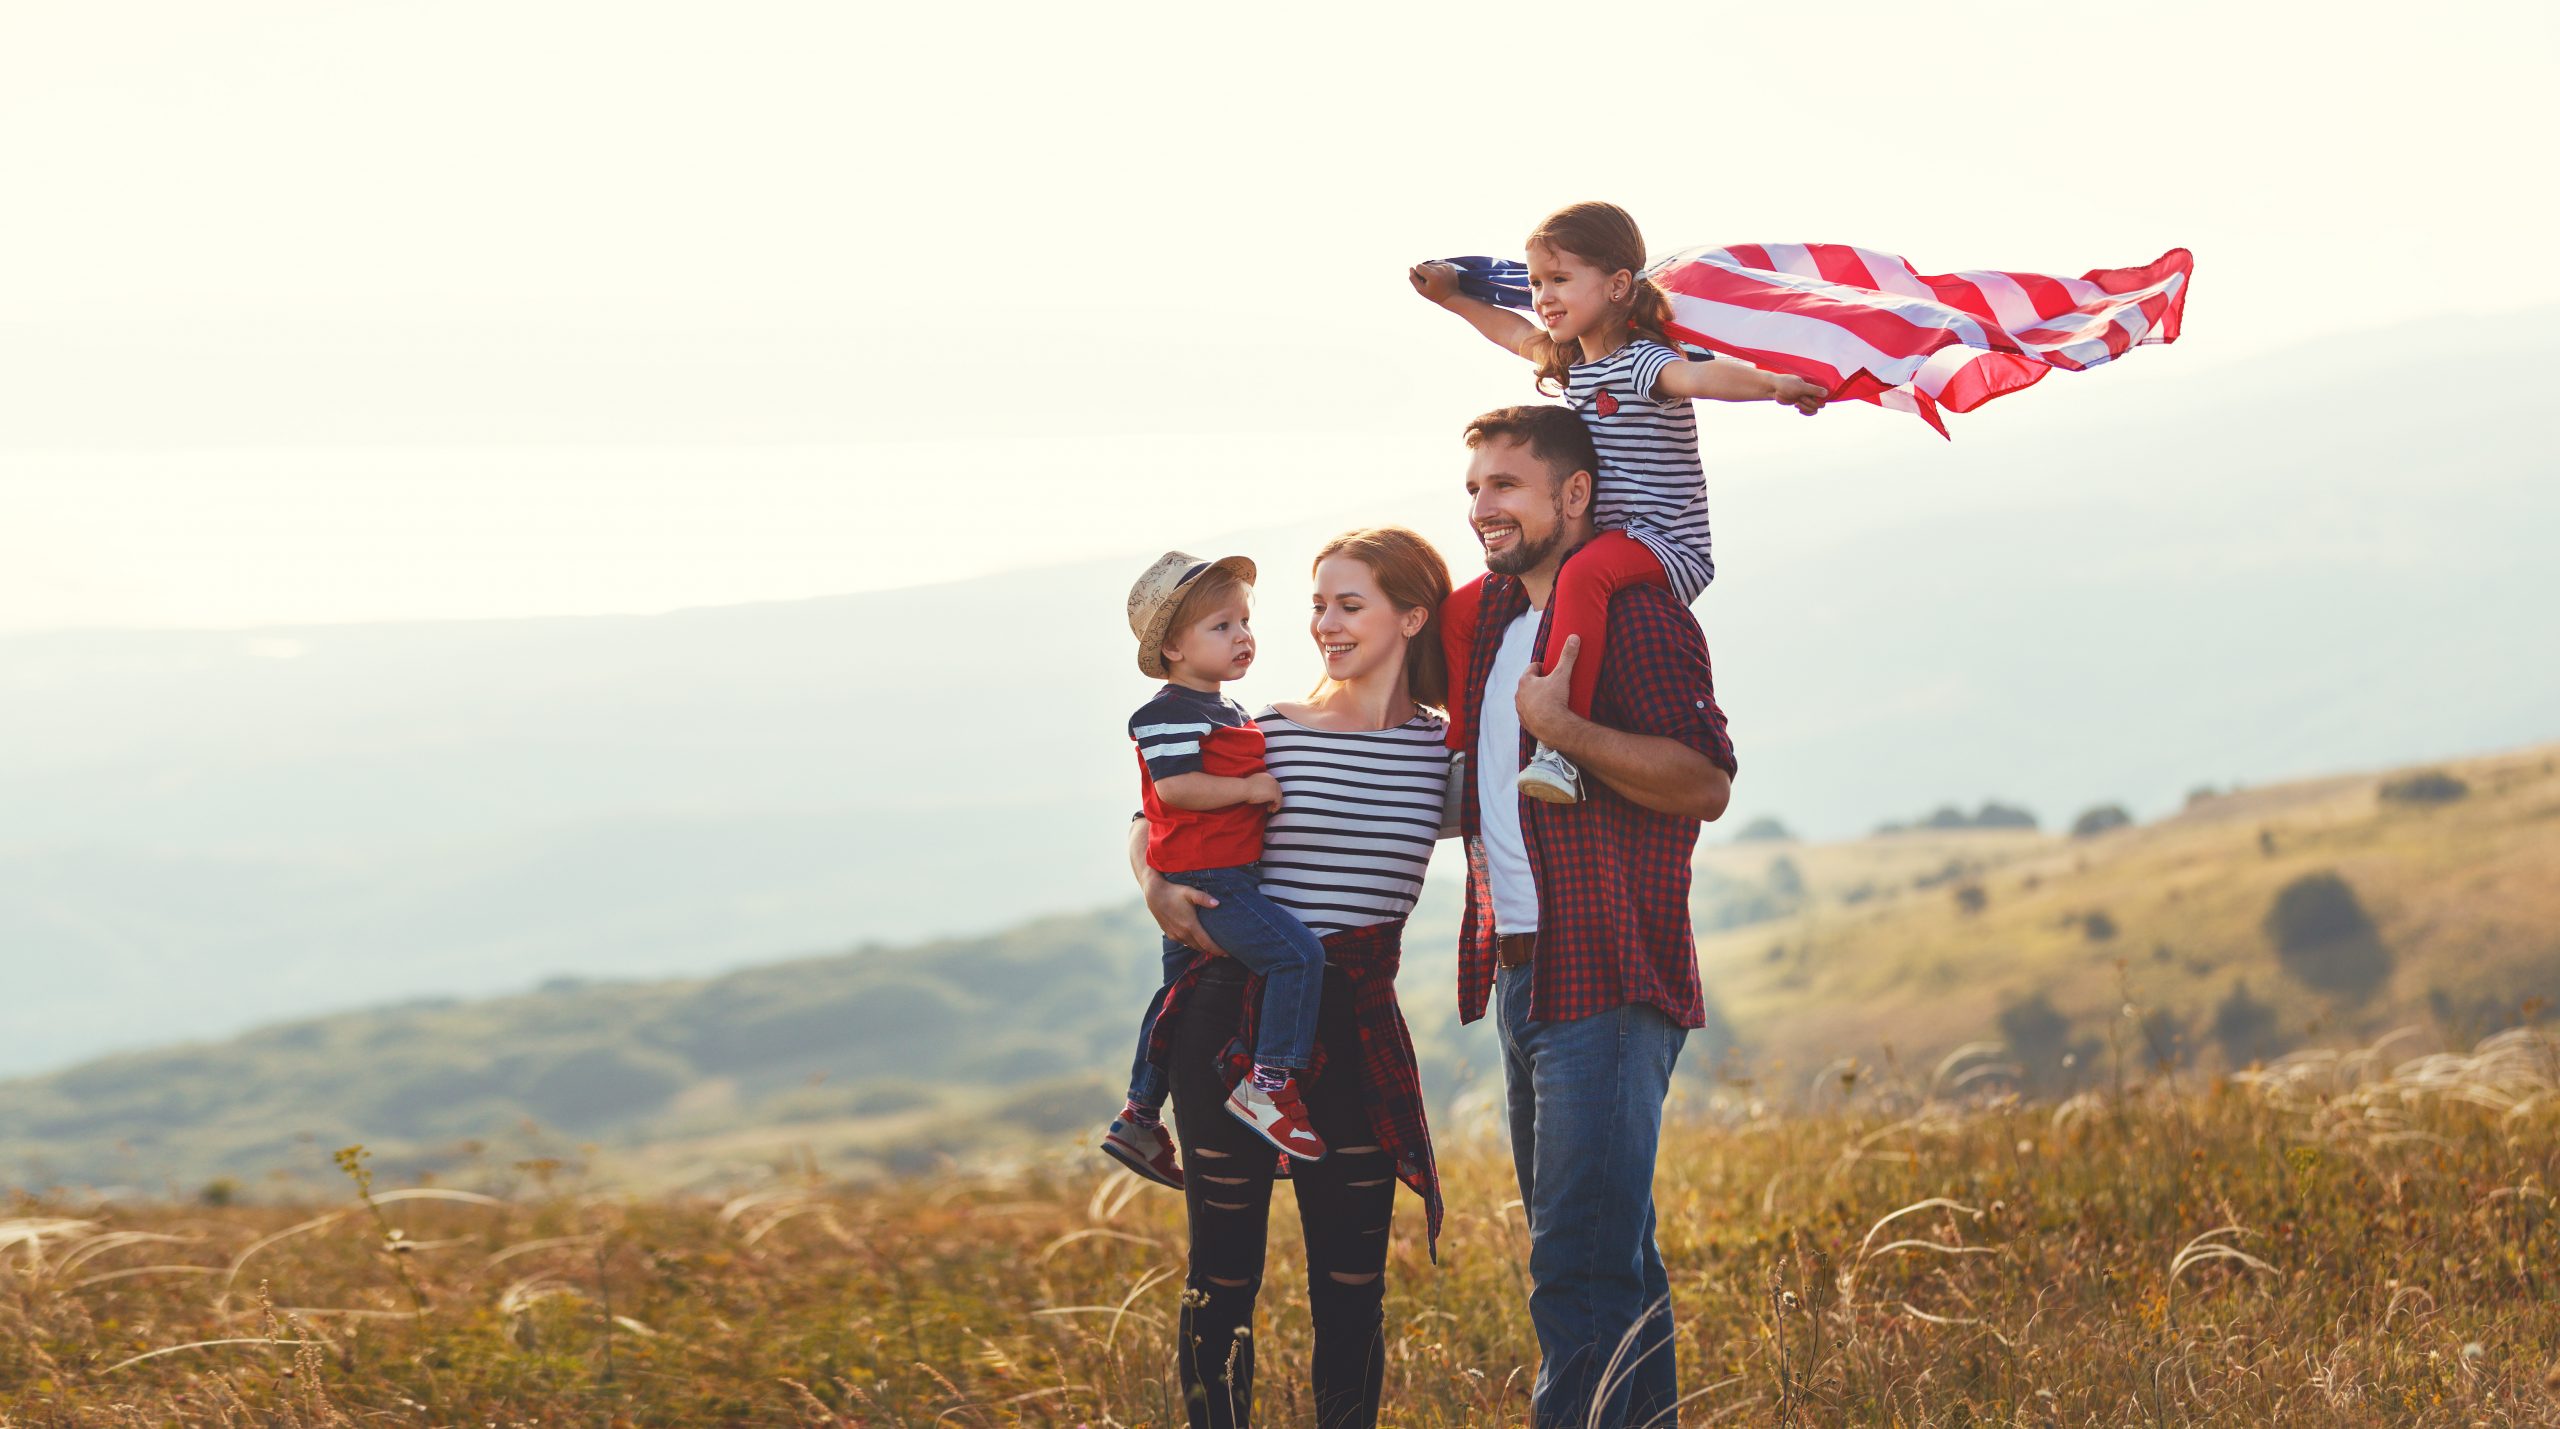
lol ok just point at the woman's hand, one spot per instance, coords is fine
(1436, 281)
(1805, 397)
(1176, 909)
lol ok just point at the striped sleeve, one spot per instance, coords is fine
(1644, 369)
(1170, 734)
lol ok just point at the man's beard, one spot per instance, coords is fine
(1524, 554)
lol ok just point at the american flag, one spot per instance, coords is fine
(1866, 324)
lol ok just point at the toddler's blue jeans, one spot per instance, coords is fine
(1267, 940)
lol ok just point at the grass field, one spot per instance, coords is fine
(2358, 1238)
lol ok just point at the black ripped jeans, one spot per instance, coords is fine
(1345, 1204)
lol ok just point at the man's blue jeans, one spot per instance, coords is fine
(1268, 940)
(1586, 1117)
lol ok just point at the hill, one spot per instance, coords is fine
(2104, 592)
(2432, 899)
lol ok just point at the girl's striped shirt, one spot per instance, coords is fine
(1359, 812)
(1652, 483)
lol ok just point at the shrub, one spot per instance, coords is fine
(2245, 1028)
(2098, 926)
(2164, 1039)
(2041, 1037)
(1764, 830)
(1785, 879)
(2427, 786)
(2102, 819)
(2003, 816)
(2323, 936)
(1971, 899)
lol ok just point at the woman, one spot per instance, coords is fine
(1361, 765)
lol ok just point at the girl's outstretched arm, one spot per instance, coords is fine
(1727, 380)
(1501, 326)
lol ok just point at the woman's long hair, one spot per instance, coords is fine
(1410, 573)
(1604, 236)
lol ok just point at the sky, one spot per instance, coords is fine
(357, 311)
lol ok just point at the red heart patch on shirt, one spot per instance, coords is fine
(1605, 404)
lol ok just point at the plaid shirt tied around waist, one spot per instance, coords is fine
(1390, 1082)
(1612, 875)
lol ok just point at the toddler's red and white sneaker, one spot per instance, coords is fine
(1278, 1116)
(1146, 1148)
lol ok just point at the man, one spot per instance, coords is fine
(1577, 919)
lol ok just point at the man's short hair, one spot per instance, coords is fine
(1554, 435)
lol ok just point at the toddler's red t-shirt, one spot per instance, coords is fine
(1188, 731)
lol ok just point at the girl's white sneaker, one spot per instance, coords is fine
(1551, 778)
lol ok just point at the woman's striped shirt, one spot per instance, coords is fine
(1359, 811)
(1652, 484)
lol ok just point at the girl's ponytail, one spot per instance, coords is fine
(1651, 314)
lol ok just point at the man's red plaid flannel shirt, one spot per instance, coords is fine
(1612, 876)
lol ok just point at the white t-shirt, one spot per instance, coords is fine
(1497, 758)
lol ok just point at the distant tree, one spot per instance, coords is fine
(2323, 936)
(1785, 879)
(2100, 820)
(2164, 1039)
(2033, 1027)
(1948, 872)
(2041, 1037)
(1971, 899)
(2201, 793)
(1764, 830)
(1946, 816)
(2245, 1028)
(2427, 786)
(1997, 815)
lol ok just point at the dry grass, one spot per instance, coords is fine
(2357, 1238)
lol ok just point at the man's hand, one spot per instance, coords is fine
(1655, 771)
(1262, 789)
(1436, 281)
(1805, 397)
(1176, 909)
(1544, 700)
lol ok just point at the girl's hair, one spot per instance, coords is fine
(1604, 236)
(1410, 573)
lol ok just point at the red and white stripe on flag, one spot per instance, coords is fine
(1868, 325)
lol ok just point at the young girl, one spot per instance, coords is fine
(1604, 348)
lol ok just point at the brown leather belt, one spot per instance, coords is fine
(1513, 949)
